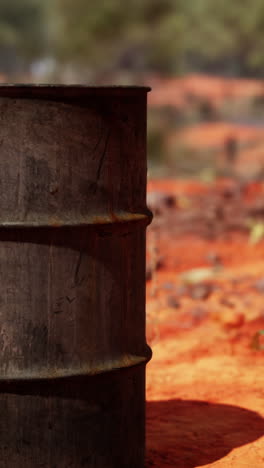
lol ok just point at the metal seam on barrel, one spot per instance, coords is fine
(56, 374)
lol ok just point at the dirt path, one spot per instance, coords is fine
(205, 306)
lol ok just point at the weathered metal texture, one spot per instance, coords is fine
(72, 276)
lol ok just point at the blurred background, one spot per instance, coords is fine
(205, 248)
(203, 59)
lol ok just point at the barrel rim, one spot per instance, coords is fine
(42, 90)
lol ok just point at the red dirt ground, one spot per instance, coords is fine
(183, 93)
(205, 307)
(214, 135)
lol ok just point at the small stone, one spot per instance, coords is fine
(148, 274)
(170, 201)
(201, 291)
(160, 263)
(155, 201)
(198, 275)
(259, 285)
(227, 302)
(229, 192)
(158, 201)
(213, 258)
(172, 301)
(258, 341)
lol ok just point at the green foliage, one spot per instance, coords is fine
(130, 34)
(256, 232)
(165, 35)
(228, 33)
(257, 341)
(22, 27)
(170, 36)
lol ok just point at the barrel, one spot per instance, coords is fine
(73, 220)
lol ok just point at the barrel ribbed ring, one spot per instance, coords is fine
(123, 362)
(91, 220)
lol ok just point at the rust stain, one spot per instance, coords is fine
(56, 222)
(122, 362)
(121, 217)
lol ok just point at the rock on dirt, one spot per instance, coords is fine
(173, 302)
(259, 285)
(201, 291)
(158, 202)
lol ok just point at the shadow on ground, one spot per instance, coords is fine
(187, 434)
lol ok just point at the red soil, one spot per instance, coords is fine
(215, 135)
(205, 383)
(182, 93)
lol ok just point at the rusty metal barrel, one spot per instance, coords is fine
(73, 219)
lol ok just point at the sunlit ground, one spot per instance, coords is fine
(205, 311)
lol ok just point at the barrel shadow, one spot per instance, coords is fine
(187, 434)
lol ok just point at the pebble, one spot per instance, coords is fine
(173, 302)
(259, 285)
(201, 291)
